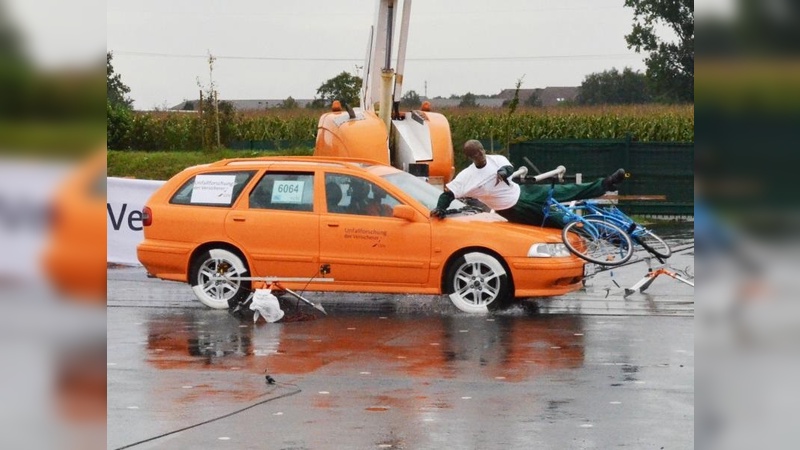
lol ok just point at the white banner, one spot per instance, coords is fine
(124, 203)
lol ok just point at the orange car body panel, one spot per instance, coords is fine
(365, 253)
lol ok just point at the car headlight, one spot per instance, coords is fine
(548, 251)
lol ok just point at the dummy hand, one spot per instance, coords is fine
(438, 213)
(501, 176)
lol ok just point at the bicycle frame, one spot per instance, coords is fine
(640, 235)
(616, 215)
(595, 234)
(569, 214)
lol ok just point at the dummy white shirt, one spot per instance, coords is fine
(480, 184)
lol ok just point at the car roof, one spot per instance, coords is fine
(355, 163)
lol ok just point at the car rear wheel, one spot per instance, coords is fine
(477, 282)
(210, 278)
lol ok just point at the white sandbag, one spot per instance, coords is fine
(266, 304)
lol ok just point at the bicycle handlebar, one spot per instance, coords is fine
(521, 172)
(557, 172)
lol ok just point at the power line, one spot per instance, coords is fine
(362, 13)
(442, 59)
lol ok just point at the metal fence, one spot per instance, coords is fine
(656, 168)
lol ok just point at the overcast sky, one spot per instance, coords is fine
(268, 49)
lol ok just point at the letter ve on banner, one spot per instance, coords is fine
(125, 200)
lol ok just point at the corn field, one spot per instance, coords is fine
(188, 131)
(644, 123)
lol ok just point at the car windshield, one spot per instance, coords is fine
(423, 192)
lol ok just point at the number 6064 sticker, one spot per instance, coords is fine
(287, 191)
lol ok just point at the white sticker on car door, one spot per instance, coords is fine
(215, 189)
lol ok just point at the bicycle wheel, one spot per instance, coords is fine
(598, 242)
(652, 243)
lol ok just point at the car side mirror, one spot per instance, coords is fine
(404, 212)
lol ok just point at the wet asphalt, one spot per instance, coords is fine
(595, 369)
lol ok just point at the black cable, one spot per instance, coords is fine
(303, 291)
(297, 391)
(301, 317)
(310, 279)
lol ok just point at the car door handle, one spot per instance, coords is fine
(333, 224)
(238, 219)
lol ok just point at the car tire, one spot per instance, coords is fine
(219, 294)
(477, 282)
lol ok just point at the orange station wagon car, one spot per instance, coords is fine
(363, 224)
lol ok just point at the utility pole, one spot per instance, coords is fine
(202, 122)
(216, 114)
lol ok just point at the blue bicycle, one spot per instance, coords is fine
(638, 233)
(594, 240)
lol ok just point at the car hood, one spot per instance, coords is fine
(494, 223)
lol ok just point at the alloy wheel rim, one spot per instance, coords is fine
(477, 283)
(214, 274)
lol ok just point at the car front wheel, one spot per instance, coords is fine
(211, 278)
(477, 282)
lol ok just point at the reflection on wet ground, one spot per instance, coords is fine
(511, 347)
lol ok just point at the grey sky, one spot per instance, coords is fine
(274, 49)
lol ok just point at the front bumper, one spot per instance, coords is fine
(546, 277)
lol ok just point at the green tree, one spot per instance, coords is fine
(223, 113)
(613, 88)
(116, 90)
(514, 102)
(343, 87)
(533, 100)
(468, 101)
(512, 107)
(670, 65)
(288, 103)
(411, 100)
(119, 118)
(119, 123)
(317, 103)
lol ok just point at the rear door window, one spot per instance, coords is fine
(213, 189)
(286, 191)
